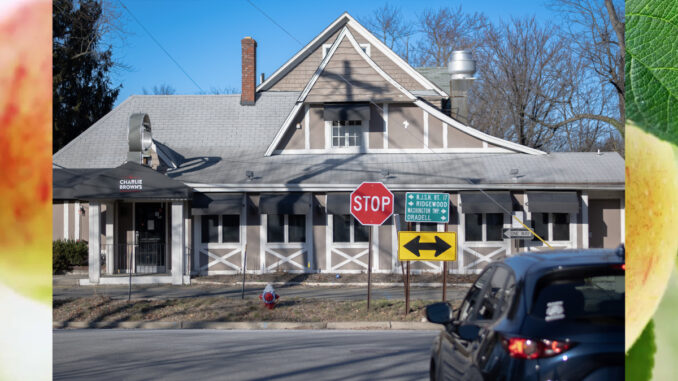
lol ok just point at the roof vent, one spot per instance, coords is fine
(139, 138)
(462, 65)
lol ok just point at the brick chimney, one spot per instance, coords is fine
(249, 71)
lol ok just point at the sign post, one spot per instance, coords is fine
(371, 204)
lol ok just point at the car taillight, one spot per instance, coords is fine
(530, 349)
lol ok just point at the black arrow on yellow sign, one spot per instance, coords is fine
(415, 246)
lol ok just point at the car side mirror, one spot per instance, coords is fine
(468, 332)
(439, 313)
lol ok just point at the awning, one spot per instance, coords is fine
(65, 181)
(477, 202)
(399, 202)
(347, 111)
(285, 203)
(131, 181)
(339, 203)
(553, 202)
(217, 203)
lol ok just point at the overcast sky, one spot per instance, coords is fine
(203, 36)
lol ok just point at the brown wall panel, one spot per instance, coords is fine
(253, 224)
(400, 136)
(604, 223)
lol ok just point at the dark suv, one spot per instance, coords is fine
(538, 316)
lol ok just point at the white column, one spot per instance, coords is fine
(623, 219)
(76, 221)
(197, 237)
(110, 249)
(65, 219)
(585, 220)
(385, 125)
(94, 244)
(178, 254)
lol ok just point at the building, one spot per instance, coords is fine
(173, 186)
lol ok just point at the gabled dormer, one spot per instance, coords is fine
(360, 97)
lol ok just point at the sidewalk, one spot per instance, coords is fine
(309, 280)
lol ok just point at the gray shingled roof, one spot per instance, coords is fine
(181, 121)
(438, 75)
(575, 170)
(215, 141)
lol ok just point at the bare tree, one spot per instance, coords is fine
(525, 80)
(163, 89)
(388, 24)
(445, 30)
(596, 34)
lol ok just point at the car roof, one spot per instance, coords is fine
(538, 262)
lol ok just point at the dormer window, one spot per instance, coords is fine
(346, 126)
(346, 133)
(365, 48)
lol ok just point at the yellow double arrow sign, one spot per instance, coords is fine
(427, 246)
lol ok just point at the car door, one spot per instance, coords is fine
(455, 356)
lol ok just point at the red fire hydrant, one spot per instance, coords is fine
(269, 297)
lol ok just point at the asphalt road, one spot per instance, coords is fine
(241, 355)
(325, 292)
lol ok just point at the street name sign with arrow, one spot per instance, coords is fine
(427, 246)
(518, 233)
(427, 207)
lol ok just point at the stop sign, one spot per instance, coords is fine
(371, 203)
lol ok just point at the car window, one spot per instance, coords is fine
(591, 295)
(469, 305)
(499, 293)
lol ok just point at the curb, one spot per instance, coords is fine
(329, 284)
(263, 325)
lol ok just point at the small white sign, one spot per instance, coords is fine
(151, 224)
(555, 311)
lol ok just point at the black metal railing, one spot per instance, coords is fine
(143, 258)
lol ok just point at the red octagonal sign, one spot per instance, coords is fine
(371, 203)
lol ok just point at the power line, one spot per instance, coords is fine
(160, 45)
(274, 22)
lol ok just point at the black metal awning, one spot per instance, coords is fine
(477, 202)
(339, 203)
(217, 203)
(553, 202)
(65, 181)
(130, 181)
(285, 203)
(347, 111)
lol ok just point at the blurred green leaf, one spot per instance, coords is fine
(640, 358)
(652, 66)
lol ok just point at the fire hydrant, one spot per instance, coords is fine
(269, 297)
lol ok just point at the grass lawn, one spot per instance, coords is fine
(221, 309)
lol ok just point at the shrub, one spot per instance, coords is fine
(68, 253)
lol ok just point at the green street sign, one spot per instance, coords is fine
(427, 207)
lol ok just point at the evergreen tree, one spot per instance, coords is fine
(82, 89)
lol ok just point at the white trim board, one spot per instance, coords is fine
(394, 187)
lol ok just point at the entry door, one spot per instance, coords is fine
(150, 231)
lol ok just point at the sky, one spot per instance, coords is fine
(203, 36)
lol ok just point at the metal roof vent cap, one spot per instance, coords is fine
(462, 65)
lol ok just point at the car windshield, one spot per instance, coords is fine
(593, 295)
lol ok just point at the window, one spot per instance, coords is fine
(346, 229)
(228, 224)
(484, 227)
(284, 228)
(551, 226)
(346, 133)
(365, 47)
(230, 228)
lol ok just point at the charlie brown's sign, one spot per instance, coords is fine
(131, 184)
